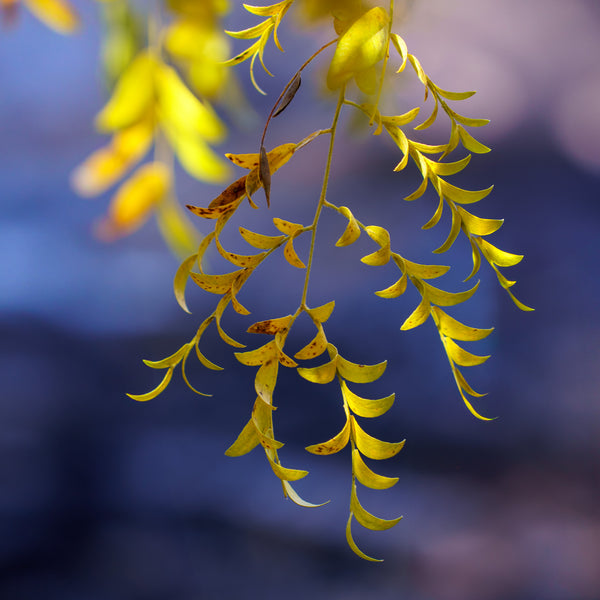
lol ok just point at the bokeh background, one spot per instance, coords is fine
(102, 498)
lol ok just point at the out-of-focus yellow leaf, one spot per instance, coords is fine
(57, 14)
(156, 391)
(372, 447)
(360, 373)
(477, 225)
(460, 356)
(135, 199)
(352, 231)
(132, 97)
(335, 444)
(456, 330)
(353, 545)
(364, 407)
(367, 477)
(366, 519)
(246, 441)
(443, 298)
(178, 232)
(361, 46)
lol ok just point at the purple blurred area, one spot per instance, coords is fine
(102, 498)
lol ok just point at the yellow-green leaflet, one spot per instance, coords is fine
(322, 374)
(421, 271)
(258, 356)
(418, 316)
(456, 330)
(321, 313)
(372, 447)
(266, 379)
(366, 519)
(454, 231)
(367, 477)
(477, 225)
(157, 390)
(246, 441)
(284, 473)
(352, 231)
(470, 143)
(360, 373)
(215, 284)
(335, 444)
(463, 196)
(364, 407)
(460, 356)
(497, 256)
(290, 255)
(315, 348)
(170, 361)
(382, 237)
(291, 493)
(286, 226)
(442, 298)
(353, 545)
(394, 290)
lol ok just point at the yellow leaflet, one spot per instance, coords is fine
(290, 255)
(402, 141)
(453, 141)
(443, 298)
(245, 55)
(425, 271)
(196, 156)
(372, 447)
(418, 192)
(497, 256)
(262, 242)
(418, 316)
(107, 165)
(277, 157)
(284, 359)
(215, 284)
(170, 361)
(451, 95)
(266, 379)
(360, 373)
(156, 391)
(432, 117)
(320, 314)
(414, 61)
(476, 257)
(262, 417)
(321, 374)
(360, 47)
(382, 237)
(223, 302)
(367, 477)
(454, 231)
(315, 348)
(462, 196)
(335, 444)
(181, 278)
(216, 212)
(462, 384)
(352, 231)
(470, 143)
(395, 290)
(403, 119)
(400, 45)
(135, 199)
(469, 121)
(132, 97)
(57, 14)
(184, 374)
(246, 441)
(364, 407)
(468, 404)
(291, 493)
(267, 11)
(456, 330)
(436, 215)
(353, 545)
(518, 303)
(284, 473)
(258, 356)
(207, 363)
(240, 260)
(203, 247)
(366, 519)
(235, 288)
(286, 226)
(246, 161)
(478, 226)
(427, 148)
(270, 326)
(450, 168)
(460, 356)
(251, 32)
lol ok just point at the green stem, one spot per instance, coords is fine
(323, 195)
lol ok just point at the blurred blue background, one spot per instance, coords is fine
(102, 498)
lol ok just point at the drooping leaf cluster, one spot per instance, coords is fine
(165, 87)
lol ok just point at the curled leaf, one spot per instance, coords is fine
(156, 391)
(456, 330)
(372, 447)
(367, 477)
(353, 545)
(360, 373)
(335, 444)
(364, 407)
(366, 519)
(289, 94)
(246, 441)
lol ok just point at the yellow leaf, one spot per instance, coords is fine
(290, 255)
(322, 374)
(463, 385)
(364, 407)
(436, 216)
(395, 290)
(456, 330)
(470, 143)
(382, 237)
(476, 258)
(454, 231)
(452, 95)
(291, 493)
(367, 477)
(267, 11)
(156, 391)
(424, 271)
(463, 196)
(418, 316)
(132, 97)
(414, 61)
(215, 284)
(260, 241)
(460, 356)
(320, 314)
(366, 519)
(284, 473)
(223, 302)
(170, 361)
(450, 168)
(335, 444)
(468, 120)
(360, 47)
(360, 373)
(352, 231)
(400, 45)
(181, 278)
(135, 199)
(271, 326)
(478, 226)
(266, 379)
(286, 226)
(431, 119)
(57, 14)
(443, 298)
(259, 355)
(372, 447)
(353, 545)
(418, 192)
(246, 441)
(315, 348)
(497, 256)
